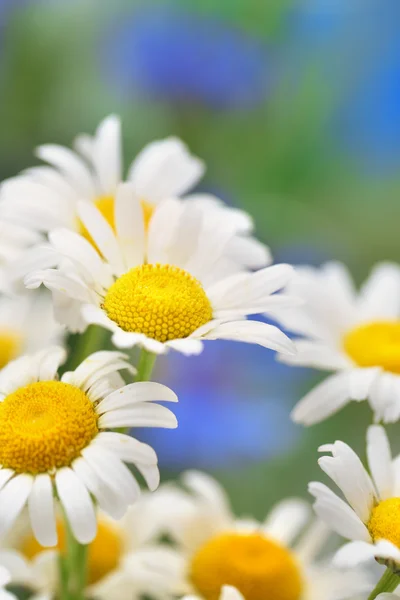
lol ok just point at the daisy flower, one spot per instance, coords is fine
(46, 197)
(54, 439)
(124, 560)
(371, 516)
(164, 291)
(229, 559)
(27, 325)
(354, 334)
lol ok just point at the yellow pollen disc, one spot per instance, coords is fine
(161, 301)
(375, 345)
(104, 552)
(10, 346)
(44, 426)
(384, 523)
(105, 204)
(258, 567)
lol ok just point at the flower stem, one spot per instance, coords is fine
(388, 583)
(73, 567)
(146, 364)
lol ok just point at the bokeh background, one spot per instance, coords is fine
(295, 107)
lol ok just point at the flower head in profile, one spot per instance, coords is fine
(166, 289)
(125, 560)
(370, 516)
(54, 439)
(227, 558)
(46, 197)
(355, 334)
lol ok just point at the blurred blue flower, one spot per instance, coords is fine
(184, 57)
(234, 407)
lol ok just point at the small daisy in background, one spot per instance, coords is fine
(44, 198)
(125, 559)
(27, 325)
(371, 516)
(55, 438)
(168, 289)
(227, 558)
(355, 334)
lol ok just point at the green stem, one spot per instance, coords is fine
(146, 364)
(388, 583)
(73, 567)
(82, 345)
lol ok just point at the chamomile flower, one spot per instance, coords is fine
(371, 516)
(54, 438)
(166, 290)
(124, 559)
(27, 325)
(355, 334)
(230, 559)
(46, 197)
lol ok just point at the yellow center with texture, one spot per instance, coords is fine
(44, 426)
(375, 345)
(106, 205)
(104, 554)
(161, 301)
(258, 567)
(10, 346)
(384, 523)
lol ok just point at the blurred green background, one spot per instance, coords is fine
(295, 107)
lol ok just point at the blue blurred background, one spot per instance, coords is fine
(295, 107)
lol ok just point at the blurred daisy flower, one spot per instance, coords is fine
(46, 197)
(54, 437)
(275, 558)
(168, 289)
(355, 334)
(371, 517)
(124, 560)
(27, 325)
(186, 57)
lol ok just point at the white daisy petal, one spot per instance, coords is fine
(151, 475)
(380, 295)
(102, 233)
(188, 346)
(142, 415)
(380, 461)
(106, 154)
(324, 400)
(127, 448)
(129, 222)
(230, 593)
(337, 514)
(69, 164)
(163, 169)
(110, 469)
(77, 504)
(13, 498)
(354, 553)
(41, 510)
(135, 393)
(287, 519)
(347, 471)
(108, 499)
(252, 332)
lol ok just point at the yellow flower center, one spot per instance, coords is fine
(44, 426)
(384, 523)
(375, 345)
(104, 552)
(161, 301)
(10, 346)
(258, 567)
(105, 204)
